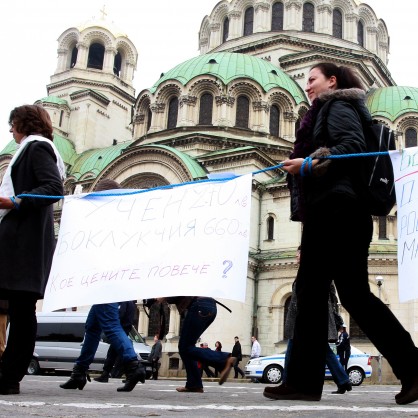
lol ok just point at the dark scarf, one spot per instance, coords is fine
(303, 145)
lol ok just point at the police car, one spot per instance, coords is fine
(269, 369)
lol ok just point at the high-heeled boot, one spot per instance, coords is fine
(135, 372)
(78, 379)
(103, 378)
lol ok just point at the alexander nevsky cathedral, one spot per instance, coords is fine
(233, 108)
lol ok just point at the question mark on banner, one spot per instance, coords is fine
(226, 269)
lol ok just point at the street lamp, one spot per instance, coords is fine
(379, 282)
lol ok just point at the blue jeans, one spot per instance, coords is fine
(201, 313)
(337, 371)
(105, 318)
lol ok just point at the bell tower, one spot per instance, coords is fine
(90, 96)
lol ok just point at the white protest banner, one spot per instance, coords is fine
(405, 168)
(190, 240)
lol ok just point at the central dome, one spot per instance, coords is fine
(229, 66)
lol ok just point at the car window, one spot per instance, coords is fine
(66, 332)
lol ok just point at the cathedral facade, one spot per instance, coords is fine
(234, 108)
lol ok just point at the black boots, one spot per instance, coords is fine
(103, 378)
(135, 372)
(346, 387)
(78, 379)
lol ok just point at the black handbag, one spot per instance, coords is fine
(295, 198)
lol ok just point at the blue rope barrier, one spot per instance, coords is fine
(307, 160)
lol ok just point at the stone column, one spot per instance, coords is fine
(109, 59)
(143, 322)
(324, 23)
(293, 15)
(173, 327)
(225, 105)
(82, 56)
(235, 25)
(261, 17)
(371, 41)
(351, 28)
(62, 60)
(186, 111)
(289, 120)
(158, 120)
(261, 117)
(215, 35)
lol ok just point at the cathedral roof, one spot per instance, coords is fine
(54, 100)
(228, 66)
(392, 102)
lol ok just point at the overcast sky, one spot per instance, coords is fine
(165, 33)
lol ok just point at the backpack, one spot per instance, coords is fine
(376, 177)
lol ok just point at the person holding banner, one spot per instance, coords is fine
(337, 231)
(105, 317)
(201, 312)
(27, 237)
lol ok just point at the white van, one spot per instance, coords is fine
(59, 339)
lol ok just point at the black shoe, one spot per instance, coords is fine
(78, 379)
(9, 388)
(285, 393)
(409, 392)
(346, 387)
(135, 372)
(103, 378)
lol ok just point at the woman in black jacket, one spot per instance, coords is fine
(27, 238)
(336, 235)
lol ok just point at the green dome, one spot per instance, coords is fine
(392, 102)
(229, 66)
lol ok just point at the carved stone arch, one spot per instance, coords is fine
(382, 33)
(242, 5)
(367, 16)
(302, 111)
(145, 160)
(282, 100)
(407, 122)
(146, 180)
(126, 50)
(168, 90)
(204, 84)
(220, 11)
(281, 294)
(143, 103)
(251, 90)
(70, 39)
(346, 7)
(90, 36)
(204, 32)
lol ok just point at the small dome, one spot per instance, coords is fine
(392, 102)
(229, 66)
(102, 23)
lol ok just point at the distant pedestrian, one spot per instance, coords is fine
(237, 353)
(155, 356)
(343, 346)
(255, 352)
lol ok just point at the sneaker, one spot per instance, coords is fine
(286, 393)
(185, 389)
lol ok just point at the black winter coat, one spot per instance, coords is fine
(343, 135)
(27, 238)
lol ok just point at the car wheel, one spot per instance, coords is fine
(33, 367)
(356, 376)
(273, 374)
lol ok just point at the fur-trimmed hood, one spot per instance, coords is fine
(354, 96)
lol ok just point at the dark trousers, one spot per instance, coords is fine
(111, 356)
(335, 242)
(22, 336)
(201, 313)
(237, 369)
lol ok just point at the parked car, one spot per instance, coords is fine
(59, 339)
(269, 369)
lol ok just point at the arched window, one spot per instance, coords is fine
(117, 65)
(173, 109)
(297, 125)
(149, 118)
(61, 117)
(410, 138)
(277, 17)
(248, 21)
(74, 54)
(205, 110)
(270, 228)
(360, 33)
(225, 32)
(243, 112)
(337, 24)
(96, 56)
(308, 23)
(274, 121)
(154, 323)
(383, 227)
